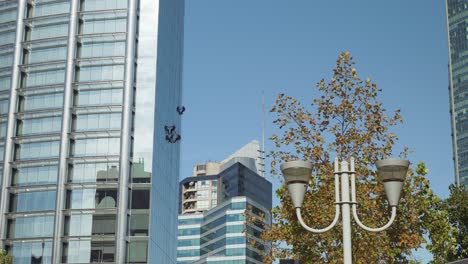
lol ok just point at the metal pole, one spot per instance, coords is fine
(345, 207)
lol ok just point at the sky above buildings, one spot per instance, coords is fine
(234, 50)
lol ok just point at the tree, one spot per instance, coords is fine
(457, 208)
(5, 258)
(347, 120)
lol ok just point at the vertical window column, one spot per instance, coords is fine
(66, 125)
(125, 143)
(4, 199)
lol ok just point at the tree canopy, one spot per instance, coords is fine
(348, 120)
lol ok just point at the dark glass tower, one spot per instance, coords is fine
(457, 27)
(212, 226)
(89, 127)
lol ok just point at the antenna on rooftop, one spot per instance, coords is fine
(262, 154)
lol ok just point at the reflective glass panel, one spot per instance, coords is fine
(5, 83)
(88, 224)
(43, 78)
(4, 107)
(98, 122)
(50, 8)
(139, 223)
(48, 31)
(100, 97)
(102, 49)
(100, 73)
(32, 252)
(88, 252)
(7, 37)
(32, 201)
(92, 198)
(94, 172)
(7, 15)
(96, 147)
(110, 25)
(46, 54)
(137, 252)
(35, 175)
(39, 226)
(6, 60)
(92, 5)
(39, 125)
(38, 150)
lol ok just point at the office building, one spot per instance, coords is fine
(457, 21)
(200, 192)
(212, 225)
(90, 99)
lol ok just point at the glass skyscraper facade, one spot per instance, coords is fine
(457, 27)
(222, 234)
(213, 227)
(88, 89)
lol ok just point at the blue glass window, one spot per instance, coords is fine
(43, 78)
(88, 252)
(43, 101)
(95, 122)
(5, 82)
(32, 201)
(92, 5)
(94, 172)
(95, 26)
(188, 242)
(46, 54)
(88, 224)
(51, 8)
(35, 175)
(103, 49)
(6, 60)
(48, 31)
(235, 240)
(100, 73)
(137, 251)
(38, 150)
(39, 125)
(100, 97)
(4, 107)
(92, 198)
(7, 37)
(235, 229)
(3, 127)
(96, 147)
(190, 221)
(32, 252)
(188, 253)
(39, 226)
(7, 15)
(189, 232)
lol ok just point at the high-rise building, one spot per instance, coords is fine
(90, 105)
(214, 202)
(457, 27)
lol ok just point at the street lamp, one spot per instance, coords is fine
(392, 172)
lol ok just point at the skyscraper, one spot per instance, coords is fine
(212, 225)
(457, 27)
(90, 99)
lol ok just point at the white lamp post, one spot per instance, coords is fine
(391, 171)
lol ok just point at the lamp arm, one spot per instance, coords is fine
(337, 212)
(356, 218)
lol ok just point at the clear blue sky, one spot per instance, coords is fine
(234, 50)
